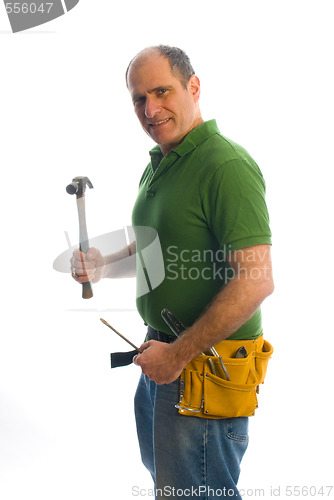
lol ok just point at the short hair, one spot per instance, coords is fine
(178, 60)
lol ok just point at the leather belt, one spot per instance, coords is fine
(153, 334)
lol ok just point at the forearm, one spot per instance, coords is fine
(115, 265)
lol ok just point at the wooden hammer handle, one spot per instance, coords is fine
(87, 291)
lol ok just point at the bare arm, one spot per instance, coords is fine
(115, 267)
(231, 308)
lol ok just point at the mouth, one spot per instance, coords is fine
(157, 124)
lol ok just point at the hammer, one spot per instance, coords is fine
(78, 187)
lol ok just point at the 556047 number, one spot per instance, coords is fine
(28, 8)
(309, 491)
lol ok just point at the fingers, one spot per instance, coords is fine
(145, 345)
(83, 277)
(84, 267)
(142, 348)
(81, 262)
(157, 361)
(79, 256)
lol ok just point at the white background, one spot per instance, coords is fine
(67, 429)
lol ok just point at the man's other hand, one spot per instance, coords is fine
(158, 361)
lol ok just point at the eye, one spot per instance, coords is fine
(161, 91)
(139, 100)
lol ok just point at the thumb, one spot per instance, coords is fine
(92, 253)
(134, 359)
(144, 346)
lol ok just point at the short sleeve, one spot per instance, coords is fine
(234, 206)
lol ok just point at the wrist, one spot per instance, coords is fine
(108, 265)
(183, 351)
(104, 268)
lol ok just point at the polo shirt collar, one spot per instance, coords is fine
(191, 141)
(196, 136)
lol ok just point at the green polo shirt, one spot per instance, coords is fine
(205, 198)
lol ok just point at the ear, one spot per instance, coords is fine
(194, 87)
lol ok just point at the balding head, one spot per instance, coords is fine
(178, 60)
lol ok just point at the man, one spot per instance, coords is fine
(205, 197)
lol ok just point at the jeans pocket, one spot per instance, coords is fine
(237, 428)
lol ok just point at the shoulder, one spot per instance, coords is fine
(223, 160)
(220, 151)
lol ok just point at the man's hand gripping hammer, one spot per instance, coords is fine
(78, 187)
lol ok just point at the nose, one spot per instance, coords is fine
(152, 107)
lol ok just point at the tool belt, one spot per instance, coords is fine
(208, 395)
(205, 390)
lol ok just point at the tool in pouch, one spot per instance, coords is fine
(205, 393)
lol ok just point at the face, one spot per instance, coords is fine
(166, 109)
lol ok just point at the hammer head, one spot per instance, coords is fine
(78, 186)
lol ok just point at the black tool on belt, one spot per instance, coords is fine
(173, 322)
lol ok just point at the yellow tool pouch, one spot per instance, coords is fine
(204, 394)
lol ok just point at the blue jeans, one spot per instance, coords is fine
(188, 457)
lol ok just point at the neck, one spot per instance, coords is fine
(166, 148)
